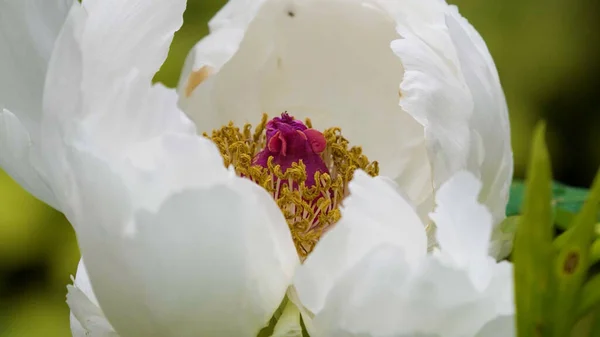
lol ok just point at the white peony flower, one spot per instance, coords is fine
(175, 243)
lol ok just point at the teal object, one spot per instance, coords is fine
(566, 201)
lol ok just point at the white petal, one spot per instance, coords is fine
(236, 13)
(82, 282)
(503, 326)
(387, 292)
(109, 52)
(327, 60)
(346, 312)
(464, 226)
(110, 115)
(28, 29)
(227, 29)
(211, 260)
(115, 74)
(87, 318)
(490, 116)
(373, 215)
(62, 104)
(18, 155)
(379, 203)
(138, 112)
(451, 86)
(501, 288)
(433, 92)
(383, 296)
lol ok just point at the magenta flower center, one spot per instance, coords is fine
(290, 141)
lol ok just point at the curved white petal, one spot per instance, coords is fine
(439, 101)
(489, 122)
(28, 30)
(62, 105)
(503, 326)
(214, 258)
(100, 77)
(17, 157)
(373, 215)
(87, 318)
(236, 13)
(107, 101)
(227, 29)
(463, 225)
(500, 288)
(121, 35)
(114, 75)
(383, 296)
(451, 86)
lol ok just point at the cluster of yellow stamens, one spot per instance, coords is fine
(309, 210)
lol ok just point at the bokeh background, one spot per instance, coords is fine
(548, 56)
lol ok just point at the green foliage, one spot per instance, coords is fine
(590, 296)
(533, 251)
(554, 290)
(573, 262)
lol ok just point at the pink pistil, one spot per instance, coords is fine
(288, 142)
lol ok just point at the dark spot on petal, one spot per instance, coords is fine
(291, 14)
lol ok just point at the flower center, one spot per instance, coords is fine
(306, 171)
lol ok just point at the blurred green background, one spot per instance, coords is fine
(547, 53)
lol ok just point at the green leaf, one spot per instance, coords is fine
(533, 250)
(573, 262)
(595, 329)
(590, 296)
(585, 326)
(562, 218)
(595, 251)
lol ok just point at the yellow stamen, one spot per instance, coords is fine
(309, 210)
